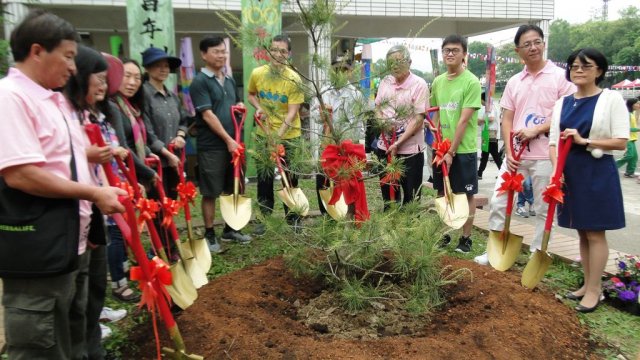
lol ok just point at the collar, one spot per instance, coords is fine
(33, 87)
(155, 91)
(547, 69)
(405, 84)
(210, 73)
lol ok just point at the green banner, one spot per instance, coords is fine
(150, 23)
(115, 42)
(262, 19)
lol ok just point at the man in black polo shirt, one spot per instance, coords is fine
(213, 93)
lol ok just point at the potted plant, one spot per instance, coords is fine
(623, 289)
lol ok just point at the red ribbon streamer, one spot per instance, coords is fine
(342, 164)
(511, 182)
(440, 148)
(187, 192)
(553, 192)
(152, 289)
(170, 208)
(238, 156)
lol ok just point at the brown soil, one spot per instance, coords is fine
(263, 312)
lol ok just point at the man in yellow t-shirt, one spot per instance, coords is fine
(276, 93)
(631, 156)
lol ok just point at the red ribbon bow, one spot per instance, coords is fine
(170, 208)
(440, 149)
(147, 209)
(126, 187)
(342, 164)
(187, 192)
(553, 192)
(279, 153)
(511, 182)
(238, 156)
(154, 290)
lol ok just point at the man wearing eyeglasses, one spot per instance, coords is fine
(275, 91)
(527, 104)
(457, 93)
(401, 102)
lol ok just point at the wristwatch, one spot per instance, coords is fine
(588, 142)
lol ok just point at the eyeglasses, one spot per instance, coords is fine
(279, 50)
(529, 44)
(452, 51)
(586, 67)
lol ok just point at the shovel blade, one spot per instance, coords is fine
(236, 213)
(295, 199)
(456, 214)
(201, 253)
(535, 269)
(182, 291)
(499, 259)
(197, 275)
(337, 211)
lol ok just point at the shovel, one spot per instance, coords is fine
(130, 232)
(503, 247)
(540, 260)
(197, 275)
(236, 208)
(452, 208)
(181, 295)
(294, 198)
(338, 210)
(199, 247)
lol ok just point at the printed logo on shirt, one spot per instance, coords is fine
(533, 119)
(273, 97)
(451, 106)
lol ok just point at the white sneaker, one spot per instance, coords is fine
(482, 259)
(105, 331)
(109, 315)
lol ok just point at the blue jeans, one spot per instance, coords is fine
(526, 196)
(116, 253)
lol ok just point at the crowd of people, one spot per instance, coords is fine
(59, 86)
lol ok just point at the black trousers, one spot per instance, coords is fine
(495, 154)
(266, 198)
(408, 188)
(95, 301)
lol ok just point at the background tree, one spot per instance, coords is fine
(477, 65)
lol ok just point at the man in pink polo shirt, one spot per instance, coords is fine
(401, 102)
(527, 104)
(44, 317)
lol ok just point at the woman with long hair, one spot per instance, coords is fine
(597, 121)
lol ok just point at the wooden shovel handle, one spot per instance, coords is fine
(564, 145)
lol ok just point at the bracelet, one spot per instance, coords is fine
(588, 142)
(181, 135)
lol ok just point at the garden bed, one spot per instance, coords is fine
(264, 312)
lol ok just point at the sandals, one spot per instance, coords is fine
(124, 293)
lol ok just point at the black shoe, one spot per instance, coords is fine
(464, 245)
(236, 236)
(259, 230)
(479, 176)
(628, 175)
(444, 241)
(585, 310)
(572, 296)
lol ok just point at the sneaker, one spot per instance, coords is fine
(236, 236)
(531, 211)
(628, 175)
(277, 177)
(482, 259)
(444, 241)
(105, 331)
(479, 176)
(214, 244)
(296, 224)
(464, 245)
(109, 315)
(520, 211)
(259, 230)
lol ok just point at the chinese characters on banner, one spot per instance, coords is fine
(150, 23)
(262, 19)
(491, 77)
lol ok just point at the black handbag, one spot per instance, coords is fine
(38, 236)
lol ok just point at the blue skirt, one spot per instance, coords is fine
(593, 195)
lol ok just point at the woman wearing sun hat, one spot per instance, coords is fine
(163, 110)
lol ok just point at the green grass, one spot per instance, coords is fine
(619, 330)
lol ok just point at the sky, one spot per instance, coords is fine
(564, 9)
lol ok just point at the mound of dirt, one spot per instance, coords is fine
(264, 312)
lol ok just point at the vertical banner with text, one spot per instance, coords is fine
(491, 77)
(150, 23)
(261, 20)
